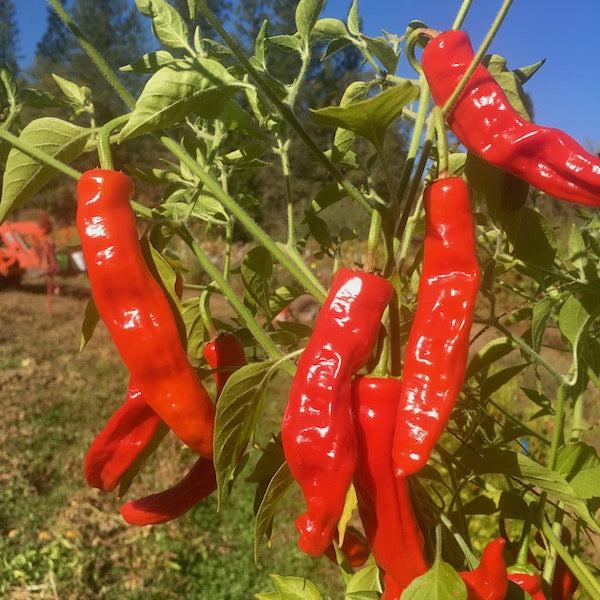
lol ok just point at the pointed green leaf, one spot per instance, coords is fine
(77, 94)
(524, 74)
(494, 382)
(441, 582)
(353, 19)
(572, 319)
(580, 465)
(40, 99)
(276, 490)
(23, 175)
(369, 118)
(578, 250)
(520, 466)
(237, 411)
(168, 26)
(384, 53)
(366, 580)
(296, 588)
(178, 89)
(328, 29)
(256, 270)
(307, 13)
(149, 63)
(91, 318)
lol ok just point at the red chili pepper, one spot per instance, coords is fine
(530, 582)
(224, 351)
(135, 310)
(564, 583)
(383, 500)
(169, 504)
(354, 548)
(392, 590)
(115, 448)
(436, 351)
(489, 581)
(485, 122)
(318, 435)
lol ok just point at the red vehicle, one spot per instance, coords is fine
(22, 248)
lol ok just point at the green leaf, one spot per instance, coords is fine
(353, 19)
(282, 297)
(23, 175)
(524, 74)
(77, 94)
(268, 596)
(532, 237)
(150, 63)
(541, 313)
(286, 42)
(494, 382)
(369, 118)
(520, 466)
(168, 26)
(307, 13)
(276, 490)
(493, 351)
(235, 118)
(91, 318)
(350, 505)
(578, 250)
(441, 582)
(237, 411)
(572, 319)
(39, 99)
(178, 89)
(256, 270)
(319, 230)
(366, 580)
(328, 29)
(296, 588)
(384, 53)
(580, 466)
(194, 327)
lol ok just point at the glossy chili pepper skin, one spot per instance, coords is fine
(115, 448)
(169, 504)
(436, 351)
(485, 122)
(318, 435)
(392, 590)
(224, 351)
(531, 583)
(489, 581)
(384, 502)
(136, 311)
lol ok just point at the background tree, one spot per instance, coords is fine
(9, 35)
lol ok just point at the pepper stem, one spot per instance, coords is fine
(462, 13)
(104, 151)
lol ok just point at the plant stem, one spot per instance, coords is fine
(95, 56)
(211, 270)
(441, 143)
(286, 112)
(462, 13)
(577, 425)
(38, 155)
(373, 240)
(557, 433)
(282, 150)
(575, 564)
(297, 269)
(478, 56)
(104, 151)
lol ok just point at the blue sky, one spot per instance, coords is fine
(565, 92)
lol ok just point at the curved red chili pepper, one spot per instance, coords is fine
(489, 581)
(436, 351)
(485, 122)
(224, 351)
(531, 583)
(135, 310)
(115, 448)
(169, 504)
(318, 435)
(383, 500)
